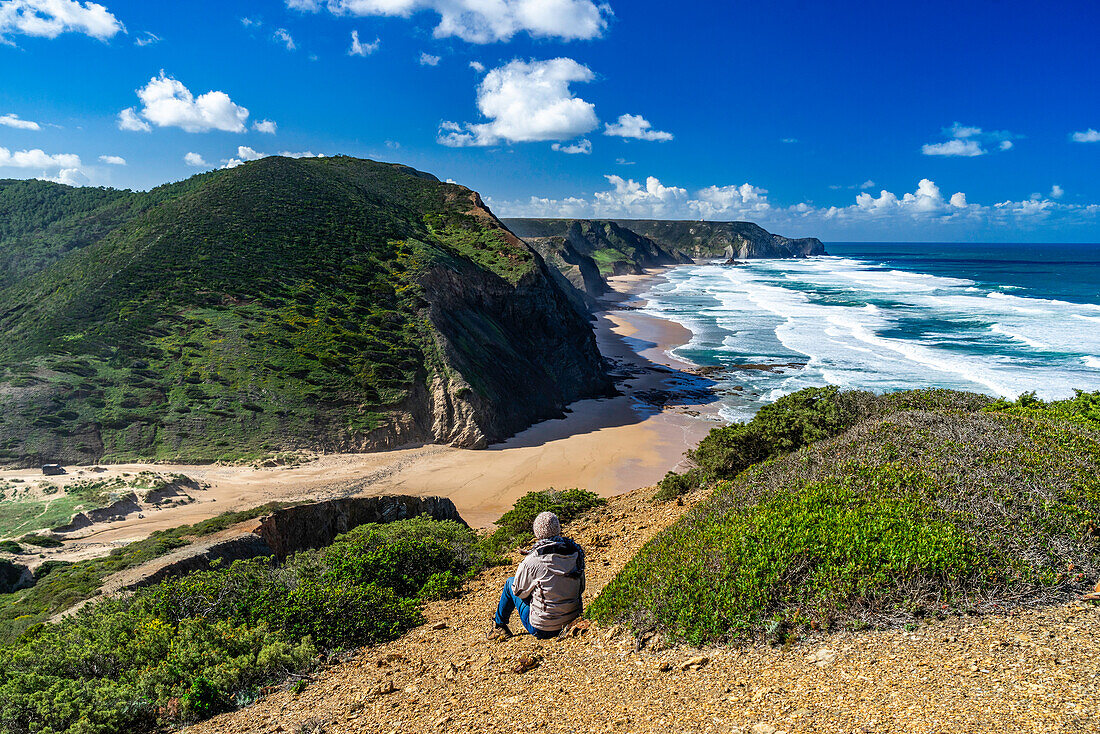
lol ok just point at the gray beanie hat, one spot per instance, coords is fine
(547, 525)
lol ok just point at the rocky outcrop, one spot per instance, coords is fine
(613, 248)
(739, 240)
(317, 525)
(14, 576)
(287, 531)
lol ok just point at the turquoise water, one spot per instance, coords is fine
(998, 319)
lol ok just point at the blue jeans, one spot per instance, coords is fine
(508, 602)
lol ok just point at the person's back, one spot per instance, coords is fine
(551, 577)
(548, 585)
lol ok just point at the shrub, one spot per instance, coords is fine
(193, 646)
(797, 420)
(10, 546)
(42, 541)
(514, 526)
(953, 505)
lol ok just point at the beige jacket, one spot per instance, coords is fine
(551, 579)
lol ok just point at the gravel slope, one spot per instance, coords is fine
(1031, 671)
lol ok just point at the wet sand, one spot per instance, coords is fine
(607, 445)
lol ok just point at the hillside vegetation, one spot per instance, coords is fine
(836, 509)
(334, 304)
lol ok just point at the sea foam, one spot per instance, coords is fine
(856, 324)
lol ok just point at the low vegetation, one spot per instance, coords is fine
(191, 647)
(514, 527)
(62, 585)
(240, 313)
(845, 509)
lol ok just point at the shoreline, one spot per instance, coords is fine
(609, 445)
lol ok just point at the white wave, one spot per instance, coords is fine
(1090, 361)
(1034, 343)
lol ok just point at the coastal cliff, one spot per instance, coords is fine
(331, 304)
(651, 242)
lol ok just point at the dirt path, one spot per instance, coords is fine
(1035, 671)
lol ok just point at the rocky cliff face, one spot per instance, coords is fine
(741, 240)
(660, 242)
(612, 248)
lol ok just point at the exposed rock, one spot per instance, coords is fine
(527, 661)
(822, 658)
(694, 663)
(317, 524)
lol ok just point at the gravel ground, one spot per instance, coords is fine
(1030, 671)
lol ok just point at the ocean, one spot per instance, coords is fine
(998, 319)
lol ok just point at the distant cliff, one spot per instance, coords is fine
(741, 240)
(585, 251)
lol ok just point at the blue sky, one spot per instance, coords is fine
(944, 121)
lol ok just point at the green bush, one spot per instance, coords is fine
(514, 526)
(42, 541)
(675, 485)
(939, 503)
(10, 546)
(797, 420)
(193, 646)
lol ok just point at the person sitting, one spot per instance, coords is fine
(547, 588)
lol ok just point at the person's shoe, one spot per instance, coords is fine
(500, 632)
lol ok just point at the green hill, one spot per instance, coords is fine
(335, 304)
(845, 509)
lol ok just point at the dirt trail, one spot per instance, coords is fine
(1033, 671)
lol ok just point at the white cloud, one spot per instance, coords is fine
(128, 120)
(635, 126)
(624, 162)
(1086, 136)
(426, 59)
(13, 120)
(477, 66)
(113, 160)
(788, 140)
(283, 36)
(958, 130)
(265, 126)
(166, 102)
(741, 201)
(246, 154)
(527, 101)
(868, 184)
(629, 198)
(956, 147)
(485, 21)
(147, 39)
(584, 145)
(251, 22)
(37, 158)
(68, 176)
(1057, 192)
(923, 213)
(966, 141)
(51, 18)
(194, 159)
(362, 49)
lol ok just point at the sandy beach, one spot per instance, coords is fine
(607, 445)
